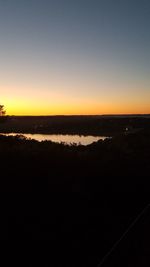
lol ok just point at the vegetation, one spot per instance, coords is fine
(79, 198)
(3, 118)
(74, 166)
(86, 125)
(2, 111)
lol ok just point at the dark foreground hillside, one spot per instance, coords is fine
(133, 248)
(71, 202)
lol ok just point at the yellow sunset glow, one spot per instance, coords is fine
(28, 107)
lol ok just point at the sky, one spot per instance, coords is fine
(75, 57)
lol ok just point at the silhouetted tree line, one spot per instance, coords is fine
(123, 155)
(70, 195)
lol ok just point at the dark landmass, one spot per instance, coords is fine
(85, 125)
(133, 248)
(74, 201)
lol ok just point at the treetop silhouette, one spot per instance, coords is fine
(2, 111)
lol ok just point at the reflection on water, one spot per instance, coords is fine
(68, 139)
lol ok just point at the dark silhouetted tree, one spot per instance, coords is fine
(2, 111)
(3, 118)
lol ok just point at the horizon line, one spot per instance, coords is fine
(74, 115)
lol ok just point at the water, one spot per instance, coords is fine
(58, 138)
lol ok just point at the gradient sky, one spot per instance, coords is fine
(75, 56)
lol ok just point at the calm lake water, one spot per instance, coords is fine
(68, 139)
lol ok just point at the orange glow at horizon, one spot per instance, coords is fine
(57, 102)
(24, 108)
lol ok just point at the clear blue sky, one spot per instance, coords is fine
(75, 56)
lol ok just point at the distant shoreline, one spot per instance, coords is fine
(103, 115)
(95, 125)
